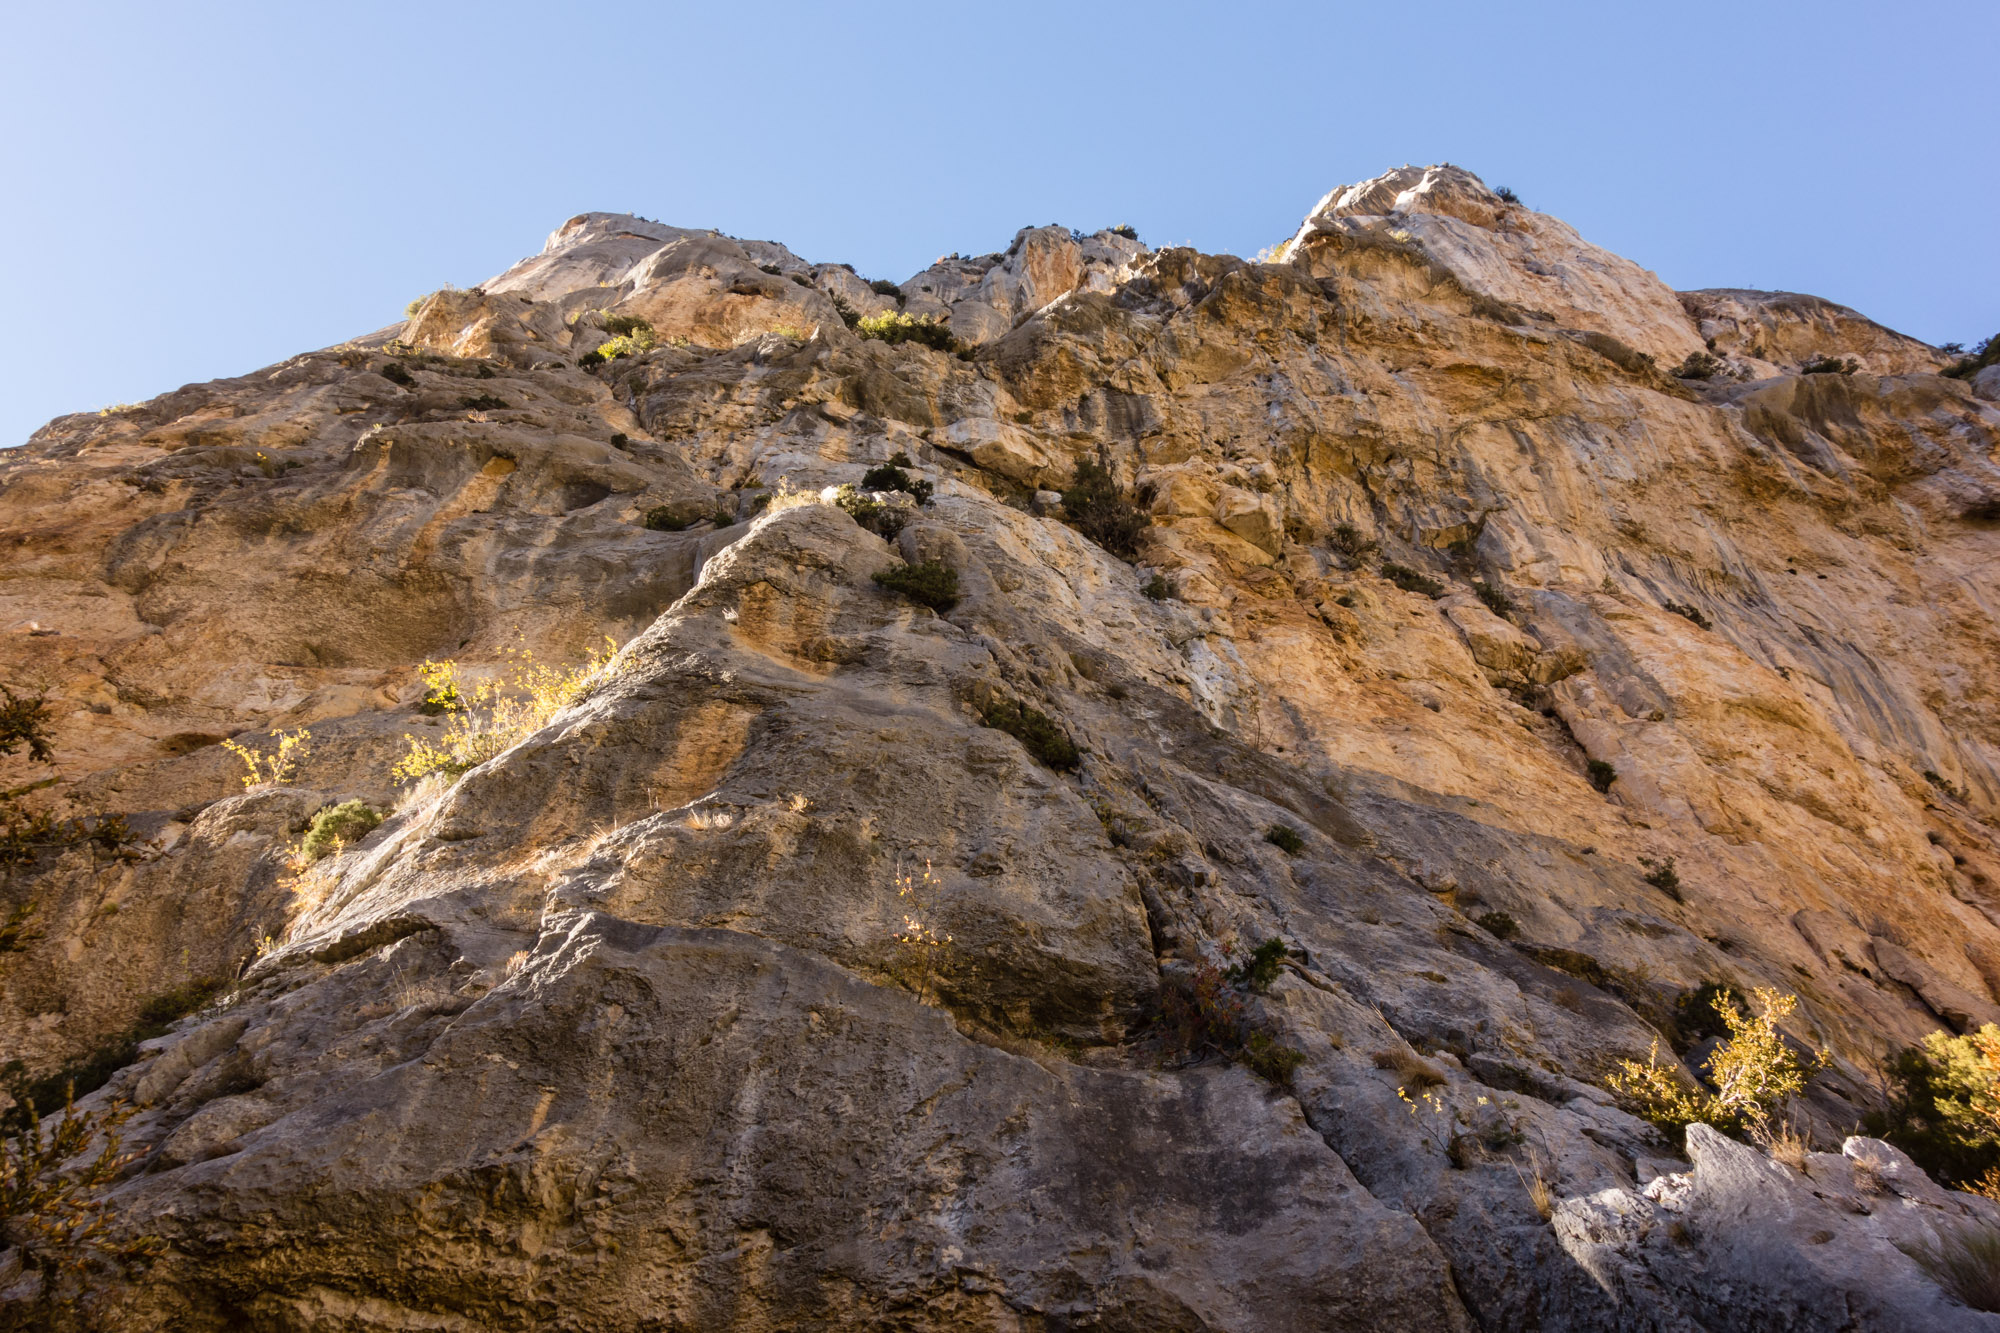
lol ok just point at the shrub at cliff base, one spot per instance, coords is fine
(1947, 1113)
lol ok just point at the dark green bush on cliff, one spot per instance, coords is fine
(1984, 355)
(1036, 730)
(1285, 838)
(929, 583)
(890, 476)
(1098, 507)
(1409, 580)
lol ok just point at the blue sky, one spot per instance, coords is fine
(198, 190)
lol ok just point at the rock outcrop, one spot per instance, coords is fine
(1451, 610)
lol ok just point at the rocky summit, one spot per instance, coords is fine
(1127, 789)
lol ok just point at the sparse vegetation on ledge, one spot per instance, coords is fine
(496, 714)
(1409, 580)
(893, 326)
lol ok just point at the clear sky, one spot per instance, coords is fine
(196, 190)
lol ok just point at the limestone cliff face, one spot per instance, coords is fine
(616, 1031)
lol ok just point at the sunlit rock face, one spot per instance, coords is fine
(1453, 612)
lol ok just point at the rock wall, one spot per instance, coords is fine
(616, 1031)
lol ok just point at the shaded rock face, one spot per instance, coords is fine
(623, 1028)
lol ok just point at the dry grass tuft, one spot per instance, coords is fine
(1535, 1180)
(1965, 1262)
(1411, 1068)
(1785, 1143)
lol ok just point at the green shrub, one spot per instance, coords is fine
(891, 477)
(1204, 1013)
(1946, 1114)
(893, 326)
(723, 515)
(1572, 962)
(1506, 196)
(1285, 838)
(1689, 611)
(25, 834)
(1036, 731)
(1496, 598)
(1662, 876)
(24, 720)
(848, 314)
(929, 583)
(621, 440)
(1157, 588)
(1347, 540)
(661, 518)
(1500, 925)
(1944, 784)
(1261, 968)
(883, 287)
(1409, 580)
(1986, 354)
(1697, 1013)
(336, 826)
(484, 402)
(1264, 1057)
(884, 520)
(1098, 507)
(1602, 775)
(1124, 229)
(801, 279)
(397, 373)
(1829, 365)
(1698, 366)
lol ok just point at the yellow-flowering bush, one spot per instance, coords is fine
(1947, 1115)
(282, 765)
(484, 719)
(1754, 1073)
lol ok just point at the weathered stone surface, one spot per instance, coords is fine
(1445, 218)
(615, 1031)
(1745, 1242)
(1777, 331)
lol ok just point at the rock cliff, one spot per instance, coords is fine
(1455, 613)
